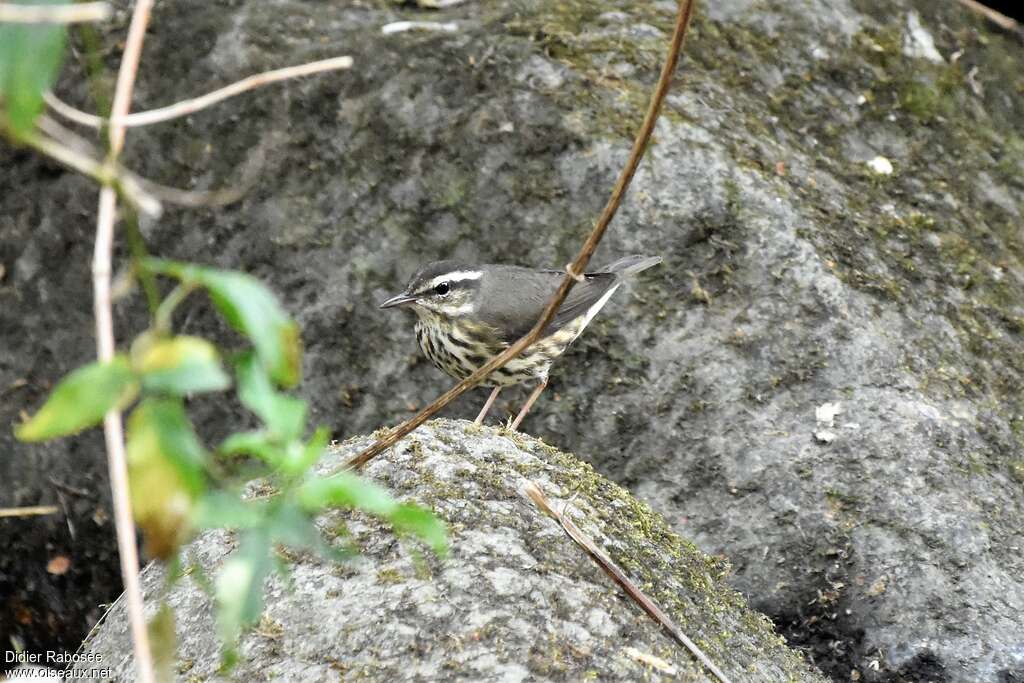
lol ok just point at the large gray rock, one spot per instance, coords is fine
(516, 599)
(796, 276)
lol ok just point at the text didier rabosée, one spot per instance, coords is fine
(51, 657)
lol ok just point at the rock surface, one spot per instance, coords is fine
(840, 215)
(515, 600)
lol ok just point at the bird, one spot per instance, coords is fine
(468, 314)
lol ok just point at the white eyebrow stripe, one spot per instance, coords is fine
(460, 275)
(455, 276)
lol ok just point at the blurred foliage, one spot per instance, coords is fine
(30, 57)
(177, 485)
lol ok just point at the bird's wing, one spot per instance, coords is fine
(516, 299)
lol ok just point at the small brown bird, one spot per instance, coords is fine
(470, 314)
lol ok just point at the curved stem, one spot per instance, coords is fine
(139, 252)
(113, 429)
(186, 107)
(162, 318)
(575, 269)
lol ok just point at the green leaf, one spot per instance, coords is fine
(181, 365)
(348, 490)
(422, 524)
(166, 472)
(252, 309)
(160, 429)
(81, 400)
(30, 56)
(290, 525)
(299, 461)
(261, 444)
(163, 642)
(224, 509)
(239, 585)
(284, 416)
(194, 571)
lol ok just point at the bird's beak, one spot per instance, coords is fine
(400, 300)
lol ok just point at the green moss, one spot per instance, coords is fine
(389, 575)
(975, 464)
(843, 504)
(613, 72)
(898, 237)
(644, 545)
(1010, 164)
(270, 628)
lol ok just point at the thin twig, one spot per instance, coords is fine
(67, 515)
(143, 194)
(113, 429)
(65, 136)
(139, 254)
(200, 198)
(577, 267)
(103, 173)
(162, 317)
(403, 26)
(186, 107)
(30, 511)
(611, 569)
(998, 18)
(439, 4)
(68, 488)
(54, 14)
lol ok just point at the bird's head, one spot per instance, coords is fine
(444, 288)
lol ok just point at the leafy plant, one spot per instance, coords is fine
(175, 487)
(30, 56)
(178, 486)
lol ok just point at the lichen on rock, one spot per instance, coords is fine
(795, 276)
(516, 599)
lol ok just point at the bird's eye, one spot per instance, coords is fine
(443, 288)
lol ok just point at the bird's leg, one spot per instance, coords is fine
(487, 406)
(529, 403)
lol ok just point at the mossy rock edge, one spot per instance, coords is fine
(515, 600)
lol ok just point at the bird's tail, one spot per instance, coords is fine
(630, 265)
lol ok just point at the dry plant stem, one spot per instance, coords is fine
(576, 268)
(113, 430)
(192, 198)
(54, 14)
(186, 107)
(30, 511)
(144, 195)
(999, 19)
(611, 569)
(104, 173)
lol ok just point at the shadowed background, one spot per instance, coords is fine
(795, 276)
